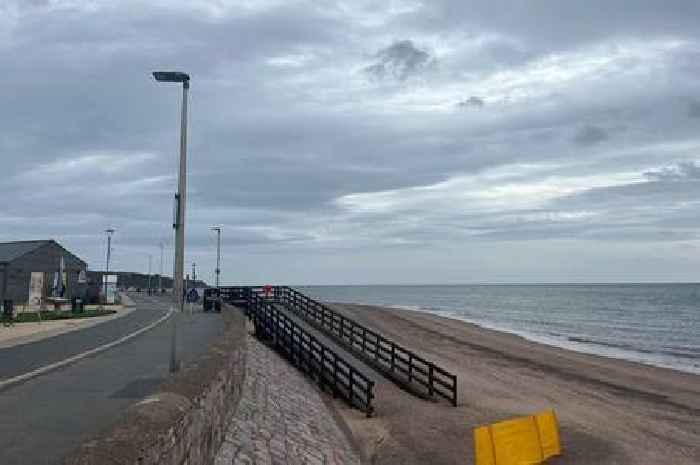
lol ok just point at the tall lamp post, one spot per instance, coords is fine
(218, 256)
(149, 273)
(160, 276)
(109, 233)
(179, 220)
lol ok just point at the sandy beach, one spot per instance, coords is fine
(610, 411)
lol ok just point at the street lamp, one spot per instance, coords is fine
(179, 220)
(149, 273)
(109, 233)
(218, 256)
(160, 276)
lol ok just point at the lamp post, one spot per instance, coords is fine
(179, 220)
(160, 276)
(149, 273)
(218, 256)
(109, 233)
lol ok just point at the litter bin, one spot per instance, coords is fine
(77, 305)
(8, 310)
(206, 304)
(217, 305)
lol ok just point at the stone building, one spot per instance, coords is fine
(29, 270)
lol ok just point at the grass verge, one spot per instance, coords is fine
(32, 317)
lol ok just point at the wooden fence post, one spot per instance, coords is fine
(430, 379)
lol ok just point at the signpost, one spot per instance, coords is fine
(109, 282)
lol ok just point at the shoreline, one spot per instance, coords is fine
(610, 410)
(573, 343)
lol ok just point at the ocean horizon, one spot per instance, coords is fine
(656, 324)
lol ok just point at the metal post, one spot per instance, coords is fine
(160, 276)
(218, 258)
(109, 250)
(178, 290)
(149, 273)
(109, 233)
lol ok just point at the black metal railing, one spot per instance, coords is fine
(305, 351)
(404, 366)
(228, 294)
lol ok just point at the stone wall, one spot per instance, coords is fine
(184, 423)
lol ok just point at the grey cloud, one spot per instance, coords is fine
(564, 25)
(590, 135)
(694, 109)
(400, 60)
(471, 102)
(685, 171)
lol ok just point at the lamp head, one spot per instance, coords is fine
(172, 76)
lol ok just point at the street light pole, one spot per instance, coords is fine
(160, 276)
(179, 221)
(109, 233)
(149, 273)
(218, 256)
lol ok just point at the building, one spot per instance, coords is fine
(130, 279)
(29, 271)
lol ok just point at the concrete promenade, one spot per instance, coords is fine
(282, 418)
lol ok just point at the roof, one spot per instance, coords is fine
(11, 250)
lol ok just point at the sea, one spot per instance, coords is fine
(654, 324)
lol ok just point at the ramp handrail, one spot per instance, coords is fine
(308, 354)
(371, 345)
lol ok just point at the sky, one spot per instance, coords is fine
(360, 142)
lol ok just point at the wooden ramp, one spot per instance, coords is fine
(305, 348)
(339, 353)
(400, 364)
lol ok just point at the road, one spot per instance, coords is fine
(45, 418)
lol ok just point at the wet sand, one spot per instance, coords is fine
(610, 411)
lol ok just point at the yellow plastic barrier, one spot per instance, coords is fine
(521, 441)
(549, 433)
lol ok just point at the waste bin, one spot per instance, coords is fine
(8, 307)
(77, 305)
(217, 305)
(206, 304)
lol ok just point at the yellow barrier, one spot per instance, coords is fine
(521, 441)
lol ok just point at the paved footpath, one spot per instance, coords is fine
(45, 418)
(282, 418)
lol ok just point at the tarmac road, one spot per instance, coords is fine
(43, 419)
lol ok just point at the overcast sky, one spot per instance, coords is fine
(444, 141)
